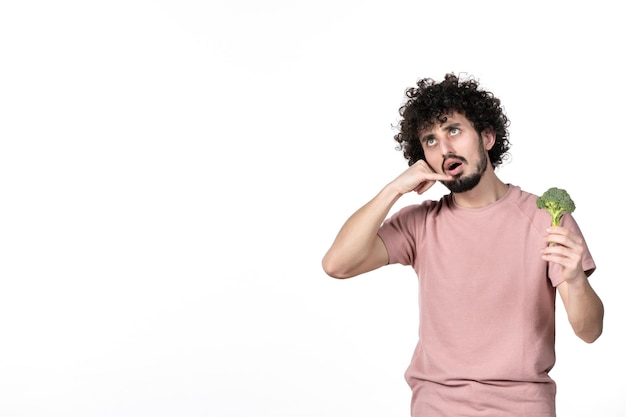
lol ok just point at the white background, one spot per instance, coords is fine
(172, 172)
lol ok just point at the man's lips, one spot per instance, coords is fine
(453, 165)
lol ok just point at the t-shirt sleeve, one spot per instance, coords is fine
(589, 266)
(398, 233)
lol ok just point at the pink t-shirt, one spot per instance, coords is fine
(487, 300)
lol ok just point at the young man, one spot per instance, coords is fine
(488, 263)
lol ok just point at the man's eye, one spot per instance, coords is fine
(454, 131)
(430, 142)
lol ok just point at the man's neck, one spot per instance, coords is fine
(489, 190)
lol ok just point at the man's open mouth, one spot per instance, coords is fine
(453, 166)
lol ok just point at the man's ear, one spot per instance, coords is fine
(489, 138)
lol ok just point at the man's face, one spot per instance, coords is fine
(455, 148)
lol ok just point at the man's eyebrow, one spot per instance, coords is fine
(447, 128)
(454, 125)
(427, 137)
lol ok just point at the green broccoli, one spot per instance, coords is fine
(556, 201)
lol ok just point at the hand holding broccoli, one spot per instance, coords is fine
(564, 247)
(556, 201)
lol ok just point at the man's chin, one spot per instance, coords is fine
(462, 184)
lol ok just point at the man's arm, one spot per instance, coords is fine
(585, 310)
(358, 248)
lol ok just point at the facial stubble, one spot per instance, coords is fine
(462, 183)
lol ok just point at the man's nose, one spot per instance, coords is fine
(446, 146)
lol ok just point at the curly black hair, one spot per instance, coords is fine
(430, 103)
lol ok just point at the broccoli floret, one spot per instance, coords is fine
(556, 201)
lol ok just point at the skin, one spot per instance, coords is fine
(585, 310)
(358, 248)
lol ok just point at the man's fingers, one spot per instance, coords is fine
(424, 186)
(429, 181)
